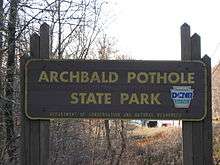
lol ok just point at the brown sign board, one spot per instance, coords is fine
(131, 89)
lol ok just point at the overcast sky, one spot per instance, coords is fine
(150, 29)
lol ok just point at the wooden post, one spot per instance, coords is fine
(44, 124)
(186, 126)
(34, 125)
(25, 125)
(35, 133)
(194, 141)
(207, 122)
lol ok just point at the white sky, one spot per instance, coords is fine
(150, 29)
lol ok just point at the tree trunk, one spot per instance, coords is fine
(123, 143)
(109, 144)
(10, 139)
(1, 77)
(59, 31)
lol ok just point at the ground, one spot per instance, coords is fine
(163, 145)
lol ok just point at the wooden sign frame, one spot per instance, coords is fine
(48, 99)
(197, 135)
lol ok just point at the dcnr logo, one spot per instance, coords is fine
(175, 94)
(181, 96)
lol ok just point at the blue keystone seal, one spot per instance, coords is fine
(181, 96)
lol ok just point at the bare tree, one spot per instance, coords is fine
(1, 77)
(75, 26)
(9, 77)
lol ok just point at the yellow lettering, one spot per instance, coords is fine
(133, 99)
(162, 78)
(62, 74)
(144, 78)
(131, 75)
(124, 97)
(53, 76)
(91, 99)
(95, 78)
(144, 98)
(74, 98)
(74, 76)
(107, 98)
(113, 77)
(103, 78)
(84, 77)
(152, 76)
(83, 97)
(173, 78)
(99, 96)
(43, 77)
(155, 98)
(191, 78)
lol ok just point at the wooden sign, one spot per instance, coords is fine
(115, 89)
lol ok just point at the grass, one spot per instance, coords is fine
(155, 137)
